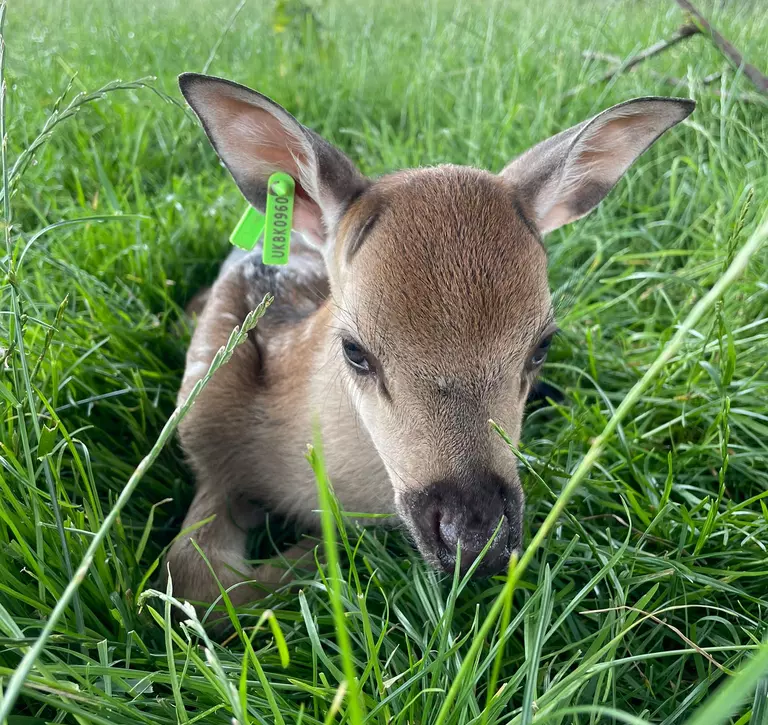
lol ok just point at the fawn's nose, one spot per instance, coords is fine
(467, 533)
(461, 517)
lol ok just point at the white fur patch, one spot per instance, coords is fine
(196, 369)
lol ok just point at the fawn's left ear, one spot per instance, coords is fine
(566, 176)
(255, 137)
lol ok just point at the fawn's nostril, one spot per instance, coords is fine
(448, 532)
(457, 532)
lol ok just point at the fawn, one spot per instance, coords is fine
(415, 308)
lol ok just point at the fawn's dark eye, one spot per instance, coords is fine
(357, 358)
(539, 355)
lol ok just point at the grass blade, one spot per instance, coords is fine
(238, 336)
(738, 265)
(724, 703)
(328, 507)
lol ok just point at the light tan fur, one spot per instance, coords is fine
(439, 276)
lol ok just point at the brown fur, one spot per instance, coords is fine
(440, 275)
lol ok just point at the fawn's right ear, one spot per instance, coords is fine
(255, 137)
(566, 176)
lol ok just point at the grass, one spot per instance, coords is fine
(643, 597)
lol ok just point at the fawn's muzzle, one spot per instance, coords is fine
(453, 518)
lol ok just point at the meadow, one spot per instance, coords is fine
(645, 598)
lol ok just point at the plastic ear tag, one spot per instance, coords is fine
(248, 229)
(279, 221)
(276, 225)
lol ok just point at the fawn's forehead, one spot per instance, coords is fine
(445, 254)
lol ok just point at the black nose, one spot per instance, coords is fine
(459, 517)
(468, 533)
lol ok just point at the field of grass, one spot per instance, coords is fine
(649, 593)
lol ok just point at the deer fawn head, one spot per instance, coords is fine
(441, 313)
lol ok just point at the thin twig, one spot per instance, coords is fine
(664, 623)
(608, 58)
(708, 80)
(683, 32)
(597, 55)
(725, 47)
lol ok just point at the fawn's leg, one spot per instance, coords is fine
(216, 440)
(223, 541)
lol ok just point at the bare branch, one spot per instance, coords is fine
(683, 32)
(725, 47)
(597, 55)
(749, 97)
(608, 58)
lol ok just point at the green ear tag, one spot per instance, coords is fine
(248, 229)
(276, 225)
(277, 230)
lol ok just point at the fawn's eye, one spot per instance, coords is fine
(539, 355)
(357, 358)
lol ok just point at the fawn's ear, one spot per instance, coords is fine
(566, 176)
(255, 137)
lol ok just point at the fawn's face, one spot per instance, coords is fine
(442, 319)
(442, 313)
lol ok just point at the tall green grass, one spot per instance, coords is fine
(644, 601)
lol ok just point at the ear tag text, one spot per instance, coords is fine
(276, 224)
(277, 229)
